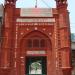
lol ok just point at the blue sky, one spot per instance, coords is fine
(48, 4)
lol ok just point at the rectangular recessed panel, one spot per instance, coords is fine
(36, 12)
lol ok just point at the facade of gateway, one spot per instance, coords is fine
(36, 41)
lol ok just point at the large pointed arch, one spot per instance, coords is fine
(36, 34)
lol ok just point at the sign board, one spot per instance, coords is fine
(35, 52)
(35, 20)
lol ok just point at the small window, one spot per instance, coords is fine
(0, 20)
(35, 43)
(29, 43)
(42, 43)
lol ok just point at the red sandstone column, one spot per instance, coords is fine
(7, 37)
(64, 30)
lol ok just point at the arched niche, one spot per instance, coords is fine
(35, 40)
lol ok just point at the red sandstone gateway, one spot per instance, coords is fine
(36, 40)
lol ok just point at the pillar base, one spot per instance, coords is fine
(4, 71)
(66, 70)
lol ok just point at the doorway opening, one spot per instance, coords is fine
(36, 65)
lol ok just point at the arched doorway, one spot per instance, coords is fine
(36, 49)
